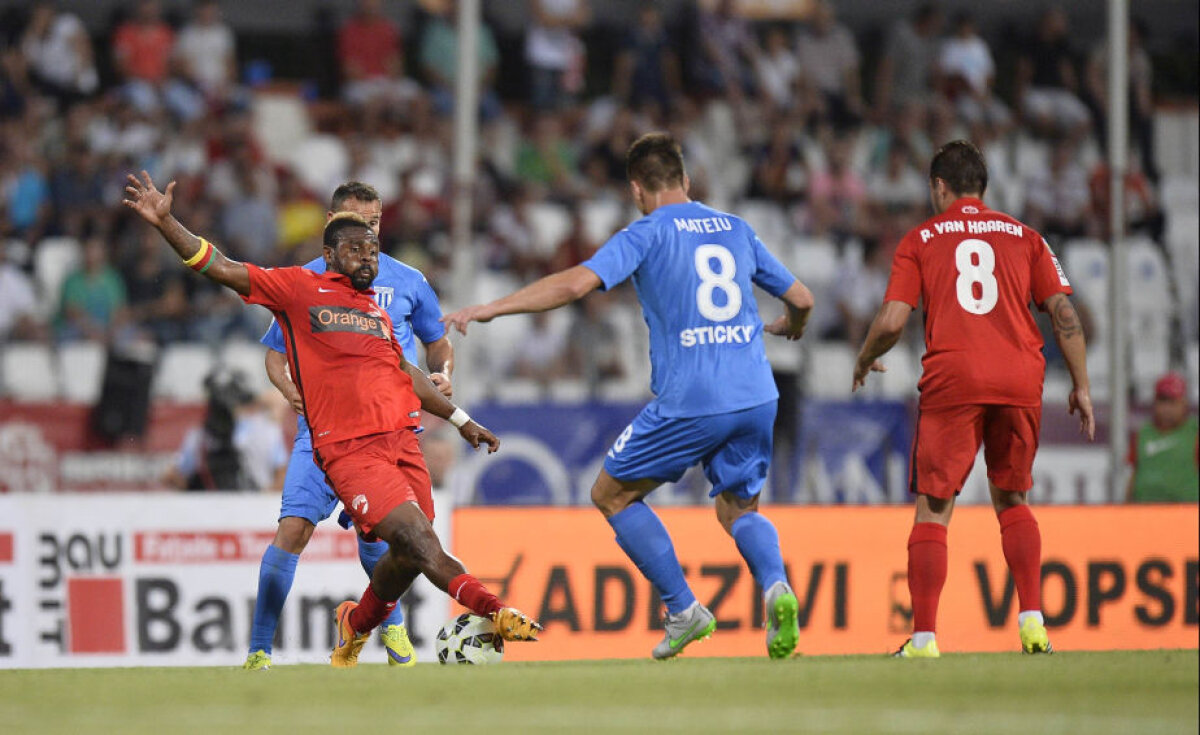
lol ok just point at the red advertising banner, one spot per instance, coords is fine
(1113, 578)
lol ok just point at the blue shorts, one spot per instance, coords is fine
(306, 494)
(734, 448)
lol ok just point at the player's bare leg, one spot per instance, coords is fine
(644, 539)
(414, 546)
(1022, 543)
(758, 542)
(926, 573)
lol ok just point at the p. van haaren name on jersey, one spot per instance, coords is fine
(973, 227)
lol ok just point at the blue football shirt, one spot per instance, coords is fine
(408, 299)
(693, 267)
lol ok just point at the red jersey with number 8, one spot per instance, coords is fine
(976, 271)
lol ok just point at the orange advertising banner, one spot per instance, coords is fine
(1124, 577)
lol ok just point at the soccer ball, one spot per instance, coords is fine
(469, 639)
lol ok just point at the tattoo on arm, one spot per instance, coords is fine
(1065, 320)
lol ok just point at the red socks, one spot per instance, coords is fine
(473, 595)
(371, 611)
(1022, 544)
(926, 573)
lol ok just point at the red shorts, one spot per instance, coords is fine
(948, 440)
(373, 475)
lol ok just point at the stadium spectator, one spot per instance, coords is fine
(1048, 84)
(141, 49)
(1058, 200)
(981, 382)
(439, 62)
(1142, 211)
(543, 354)
(58, 54)
(156, 299)
(647, 68)
(19, 319)
(554, 52)
(860, 287)
(594, 342)
(77, 190)
(206, 51)
(240, 446)
(829, 62)
(547, 158)
(1165, 451)
(728, 48)
(897, 192)
(25, 191)
(777, 71)
(368, 452)
(909, 67)
(837, 193)
(968, 71)
(92, 301)
(1141, 94)
(724, 398)
(780, 171)
(371, 57)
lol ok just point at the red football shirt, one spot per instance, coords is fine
(340, 351)
(976, 270)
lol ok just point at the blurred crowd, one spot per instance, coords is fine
(782, 122)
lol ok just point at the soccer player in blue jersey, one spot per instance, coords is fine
(715, 397)
(307, 498)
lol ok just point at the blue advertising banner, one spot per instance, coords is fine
(841, 452)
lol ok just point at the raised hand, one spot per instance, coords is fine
(461, 318)
(143, 197)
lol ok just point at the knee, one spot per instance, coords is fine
(293, 534)
(1004, 500)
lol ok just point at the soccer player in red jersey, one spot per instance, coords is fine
(362, 399)
(976, 270)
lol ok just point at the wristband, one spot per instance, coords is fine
(202, 258)
(459, 418)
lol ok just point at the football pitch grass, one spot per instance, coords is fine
(1070, 692)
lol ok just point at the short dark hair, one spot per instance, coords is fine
(655, 162)
(960, 164)
(352, 190)
(340, 224)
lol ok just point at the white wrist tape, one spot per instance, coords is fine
(459, 418)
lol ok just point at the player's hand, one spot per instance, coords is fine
(296, 402)
(461, 318)
(441, 381)
(861, 372)
(1081, 400)
(783, 327)
(514, 625)
(476, 435)
(143, 197)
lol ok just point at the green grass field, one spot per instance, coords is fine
(1093, 693)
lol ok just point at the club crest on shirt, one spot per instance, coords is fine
(384, 296)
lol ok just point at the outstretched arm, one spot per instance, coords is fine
(1068, 333)
(154, 206)
(799, 302)
(885, 331)
(551, 292)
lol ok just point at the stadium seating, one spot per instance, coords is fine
(829, 370)
(181, 371)
(601, 219)
(320, 161)
(248, 357)
(81, 367)
(53, 260)
(903, 371)
(768, 220)
(550, 224)
(281, 123)
(28, 372)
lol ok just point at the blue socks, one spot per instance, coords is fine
(758, 542)
(275, 575)
(644, 539)
(369, 554)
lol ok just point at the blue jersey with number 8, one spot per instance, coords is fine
(693, 268)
